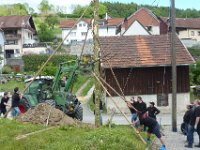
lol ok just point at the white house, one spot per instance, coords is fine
(2, 41)
(18, 30)
(146, 18)
(110, 27)
(136, 29)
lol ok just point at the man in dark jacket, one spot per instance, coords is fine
(15, 103)
(153, 127)
(152, 110)
(4, 103)
(131, 105)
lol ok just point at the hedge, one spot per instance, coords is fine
(34, 62)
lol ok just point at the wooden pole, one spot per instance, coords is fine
(97, 90)
(125, 116)
(174, 75)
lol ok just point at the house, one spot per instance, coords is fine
(142, 66)
(146, 18)
(18, 30)
(2, 41)
(107, 27)
(187, 29)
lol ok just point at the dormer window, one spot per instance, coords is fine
(149, 28)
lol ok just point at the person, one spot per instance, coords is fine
(197, 122)
(152, 110)
(153, 127)
(141, 107)
(4, 103)
(15, 103)
(131, 106)
(186, 118)
(192, 124)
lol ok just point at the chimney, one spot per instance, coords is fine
(126, 23)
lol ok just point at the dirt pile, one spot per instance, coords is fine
(43, 113)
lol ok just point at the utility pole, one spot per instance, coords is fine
(97, 92)
(174, 76)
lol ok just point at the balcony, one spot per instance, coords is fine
(12, 36)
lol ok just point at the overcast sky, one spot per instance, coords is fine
(184, 4)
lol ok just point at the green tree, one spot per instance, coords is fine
(45, 7)
(45, 34)
(52, 20)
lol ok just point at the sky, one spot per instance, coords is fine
(182, 4)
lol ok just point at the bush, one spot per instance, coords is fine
(7, 69)
(34, 62)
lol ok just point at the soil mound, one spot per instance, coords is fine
(43, 113)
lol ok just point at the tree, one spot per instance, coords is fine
(44, 33)
(52, 20)
(78, 10)
(45, 7)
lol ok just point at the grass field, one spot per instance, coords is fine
(67, 138)
(10, 85)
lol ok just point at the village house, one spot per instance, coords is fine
(187, 29)
(107, 27)
(142, 66)
(18, 30)
(2, 41)
(146, 19)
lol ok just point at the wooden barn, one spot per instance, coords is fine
(142, 66)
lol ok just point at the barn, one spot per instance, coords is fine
(142, 66)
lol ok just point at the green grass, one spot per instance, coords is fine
(79, 82)
(68, 137)
(88, 87)
(10, 85)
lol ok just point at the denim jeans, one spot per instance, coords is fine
(190, 135)
(133, 117)
(15, 112)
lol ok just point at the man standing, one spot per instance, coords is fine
(197, 121)
(152, 110)
(15, 103)
(4, 103)
(195, 112)
(131, 106)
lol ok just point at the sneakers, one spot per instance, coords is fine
(162, 148)
(188, 146)
(197, 145)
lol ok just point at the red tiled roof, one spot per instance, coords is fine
(115, 21)
(70, 23)
(144, 16)
(193, 23)
(16, 22)
(142, 51)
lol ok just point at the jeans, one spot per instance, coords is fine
(15, 112)
(190, 135)
(134, 117)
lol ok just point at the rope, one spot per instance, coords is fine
(125, 116)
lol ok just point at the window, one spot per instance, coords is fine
(11, 42)
(198, 33)
(192, 33)
(17, 51)
(84, 24)
(162, 99)
(83, 33)
(73, 34)
(80, 24)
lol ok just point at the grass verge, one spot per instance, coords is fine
(10, 85)
(68, 137)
